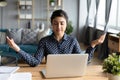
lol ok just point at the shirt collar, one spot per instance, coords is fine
(64, 37)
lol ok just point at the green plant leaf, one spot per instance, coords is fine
(69, 28)
(112, 64)
(52, 0)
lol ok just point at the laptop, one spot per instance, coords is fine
(65, 65)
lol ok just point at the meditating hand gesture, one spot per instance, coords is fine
(12, 44)
(98, 41)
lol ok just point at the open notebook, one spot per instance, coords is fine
(65, 65)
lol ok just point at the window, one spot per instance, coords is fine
(101, 13)
(92, 13)
(114, 17)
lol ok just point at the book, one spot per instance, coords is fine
(21, 76)
(8, 69)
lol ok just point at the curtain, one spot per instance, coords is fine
(107, 13)
(95, 21)
(86, 37)
(93, 33)
(103, 49)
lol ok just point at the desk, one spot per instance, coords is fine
(94, 72)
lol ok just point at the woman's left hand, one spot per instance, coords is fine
(98, 41)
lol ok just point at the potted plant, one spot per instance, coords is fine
(69, 28)
(52, 2)
(111, 65)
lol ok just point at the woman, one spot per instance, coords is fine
(57, 43)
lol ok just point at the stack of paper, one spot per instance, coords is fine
(4, 76)
(6, 71)
(21, 76)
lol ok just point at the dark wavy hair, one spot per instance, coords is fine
(59, 13)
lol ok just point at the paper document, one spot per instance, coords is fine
(21, 76)
(4, 76)
(8, 69)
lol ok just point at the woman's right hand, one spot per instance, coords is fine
(12, 44)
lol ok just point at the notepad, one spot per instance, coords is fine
(8, 69)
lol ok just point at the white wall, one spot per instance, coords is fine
(71, 7)
(77, 13)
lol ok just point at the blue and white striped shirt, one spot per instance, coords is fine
(49, 45)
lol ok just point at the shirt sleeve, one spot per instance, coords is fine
(76, 48)
(90, 52)
(37, 58)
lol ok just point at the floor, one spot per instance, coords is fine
(95, 60)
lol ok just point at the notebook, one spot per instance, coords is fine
(65, 65)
